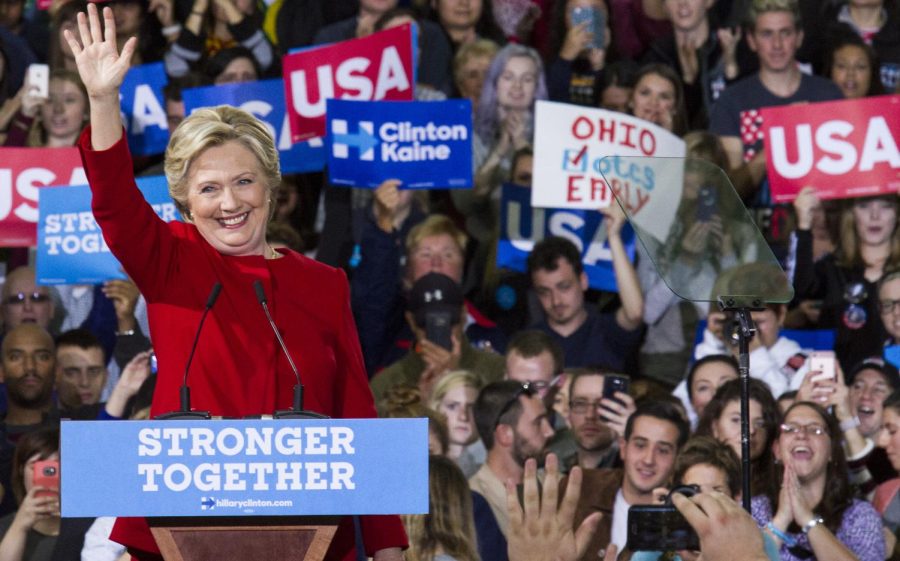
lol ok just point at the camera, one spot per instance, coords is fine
(662, 527)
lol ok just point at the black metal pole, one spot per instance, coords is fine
(745, 331)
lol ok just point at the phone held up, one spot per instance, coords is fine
(613, 383)
(662, 527)
(46, 474)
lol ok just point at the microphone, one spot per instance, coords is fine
(184, 393)
(296, 411)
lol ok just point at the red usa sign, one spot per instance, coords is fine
(376, 67)
(842, 148)
(23, 172)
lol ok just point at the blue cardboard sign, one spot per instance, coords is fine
(144, 109)
(424, 144)
(70, 248)
(244, 467)
(521, 226)
(265, 101)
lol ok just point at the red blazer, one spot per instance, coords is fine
(238, 368)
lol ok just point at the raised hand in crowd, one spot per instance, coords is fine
(438, 361)
(124, 295)
(164, 10)
(834, 392)
(616, 411)
(33, 510)
(102, 69)
(687, 57)
(231, 12)
(728, 41)
(130, 381)
(194, 21)
(804, 206)
(543, 531)
(723, 527)
(387, 203)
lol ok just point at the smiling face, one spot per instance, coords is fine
(653, 99)
(867, 394)
(517, 84)
(875, 220)
(851, 71)
(807, 452)
(228, 199)
(63, 115)
(456, 405)
(648, 456)
(727, 428)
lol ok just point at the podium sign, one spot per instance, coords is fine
(244, 467)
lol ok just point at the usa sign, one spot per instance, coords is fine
(380, 66)
(843, 148)
(23, 172)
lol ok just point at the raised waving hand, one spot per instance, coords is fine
(102, 69)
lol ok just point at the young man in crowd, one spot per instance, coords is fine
(513, 424)
(533, 356)
(654, 434)
(774, 33)
(588, 338)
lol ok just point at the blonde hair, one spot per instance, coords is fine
(216, 126)
(449, 525)
(468, 51)
(452, 380)
(435, 225)
(760, 7)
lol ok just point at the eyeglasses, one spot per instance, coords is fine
(527, 389)
(582, 406)
(810, 429)
(20, 298)
(887, 306)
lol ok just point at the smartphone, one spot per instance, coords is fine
(613, 383)
(596, 23)
(707, 201)
(824, 363)
(46, 474)
(438, 326)
(154, 365)
(659, 528)
(37, 79)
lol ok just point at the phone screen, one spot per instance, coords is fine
(659, 528)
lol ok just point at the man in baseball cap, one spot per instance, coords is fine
(435, 312)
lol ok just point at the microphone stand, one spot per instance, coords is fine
(742, 306)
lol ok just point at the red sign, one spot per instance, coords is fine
(23, 171)
(379, 66)
(844, 148)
